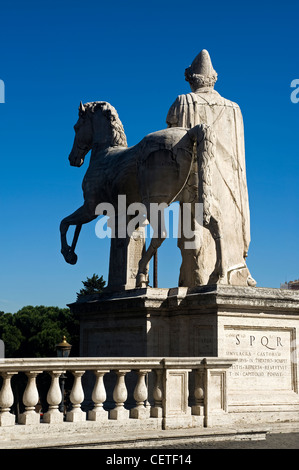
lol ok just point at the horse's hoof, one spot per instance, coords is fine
(251, 282)
(70, 256)
(141, 281)
(73, 258)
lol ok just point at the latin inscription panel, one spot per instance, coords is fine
(264, 358)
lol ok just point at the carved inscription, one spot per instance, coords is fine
(264, 359)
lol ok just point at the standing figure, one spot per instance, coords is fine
(229, 187)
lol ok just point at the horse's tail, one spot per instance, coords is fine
(204, 137)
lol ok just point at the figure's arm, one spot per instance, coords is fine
(172, 117)
(176, 116)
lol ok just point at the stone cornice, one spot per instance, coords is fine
(203, 299)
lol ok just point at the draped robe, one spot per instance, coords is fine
(229, 187)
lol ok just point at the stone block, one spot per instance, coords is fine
(156, 412)
(7, 419)
(75, 416)
(140, 413)
(99, 415)
(256, 328)
(53, 416)
(119, 413)
(29, 418)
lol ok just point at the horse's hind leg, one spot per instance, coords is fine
(159, 235)
(219, 272)
(81, 216)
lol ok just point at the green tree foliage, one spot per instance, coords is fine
(35, 331)
(92, 285)
(10, 334)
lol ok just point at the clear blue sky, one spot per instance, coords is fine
(133, 54)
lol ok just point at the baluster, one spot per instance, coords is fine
(98, 397)
(54, 396)
(6, 400)
(120, 394)
(140, 395)
(76, 397)
(198, 408)
(157, 410)
(30, 399)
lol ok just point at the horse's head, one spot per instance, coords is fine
(83, 138)
(98, 124)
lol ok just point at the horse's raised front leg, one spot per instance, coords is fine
(81, 216)
(159, 235)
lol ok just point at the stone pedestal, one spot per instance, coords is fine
(257, 327)
(125, 254)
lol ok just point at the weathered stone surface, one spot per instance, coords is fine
(125, 254)
(199, 161)
(229, 191)
(152, 172)
(255, 327)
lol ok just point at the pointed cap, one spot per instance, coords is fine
(201, 72)
(202, 64)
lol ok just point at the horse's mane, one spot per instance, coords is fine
(118, 133)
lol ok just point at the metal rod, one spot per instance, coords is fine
(156, 269)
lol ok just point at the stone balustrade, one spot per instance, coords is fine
(180, 392)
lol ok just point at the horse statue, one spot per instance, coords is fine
(156, 170)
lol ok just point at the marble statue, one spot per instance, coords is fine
(156, 170)
(204, 105)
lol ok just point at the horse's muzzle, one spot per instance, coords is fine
(76, 161)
